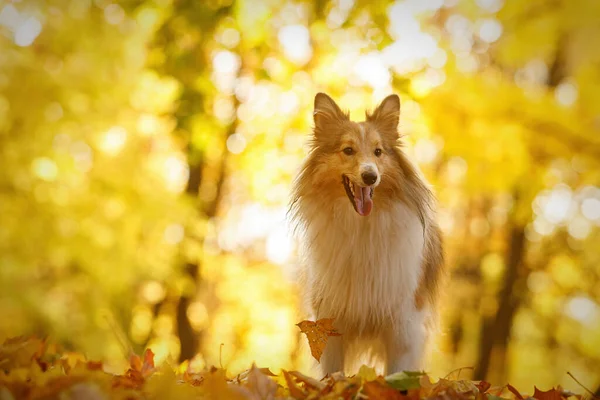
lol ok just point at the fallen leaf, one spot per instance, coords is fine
(483, 386)
(318, 333)
(309, 382)
(426, 386)
(266, 371)
(405, 380)
(295, 391)
(146, 366)
(216, 387)
(375, 390)
(346, 390)
(464, 387)
(131, 380)
(496, 390)
(551, 394)
(94, 365)
(260, 385)
(514, 391)
(367, 373)
(164, 385)
(20, 351)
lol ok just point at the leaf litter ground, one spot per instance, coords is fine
(31, 368)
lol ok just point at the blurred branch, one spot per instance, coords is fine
(558, 68)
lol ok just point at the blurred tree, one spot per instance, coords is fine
(527, 86)
(79, 238)
(182, 47)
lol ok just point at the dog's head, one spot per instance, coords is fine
(355, 158)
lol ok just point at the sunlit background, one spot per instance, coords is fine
(147, 150)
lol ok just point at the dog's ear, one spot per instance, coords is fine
(387, 115)
(326, 111)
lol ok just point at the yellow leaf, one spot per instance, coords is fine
(367, 373)
(318, 333)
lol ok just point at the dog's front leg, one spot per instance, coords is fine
(405, 346)
(332, 359)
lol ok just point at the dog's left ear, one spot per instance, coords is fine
(326, 111)
(387, 115)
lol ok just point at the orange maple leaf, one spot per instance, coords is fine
(318, 333)
(144, 366)
(551, 394)
(139, 370)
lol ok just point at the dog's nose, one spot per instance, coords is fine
(369, 178)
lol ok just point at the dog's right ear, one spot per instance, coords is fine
(326, 111)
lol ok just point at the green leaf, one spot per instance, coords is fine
(405, 380)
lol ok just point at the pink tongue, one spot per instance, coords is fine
(362, 199)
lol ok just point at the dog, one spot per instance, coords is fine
(370, 248)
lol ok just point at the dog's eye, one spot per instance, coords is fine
(348, 151)
(377, 152)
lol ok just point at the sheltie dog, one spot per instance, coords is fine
(370, 247)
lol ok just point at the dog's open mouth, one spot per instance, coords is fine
(361, 197)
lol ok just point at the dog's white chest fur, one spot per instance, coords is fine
(363, 271)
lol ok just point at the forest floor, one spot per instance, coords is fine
(31, 368)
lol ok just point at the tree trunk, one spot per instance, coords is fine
(188, 338)
(495, 332)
